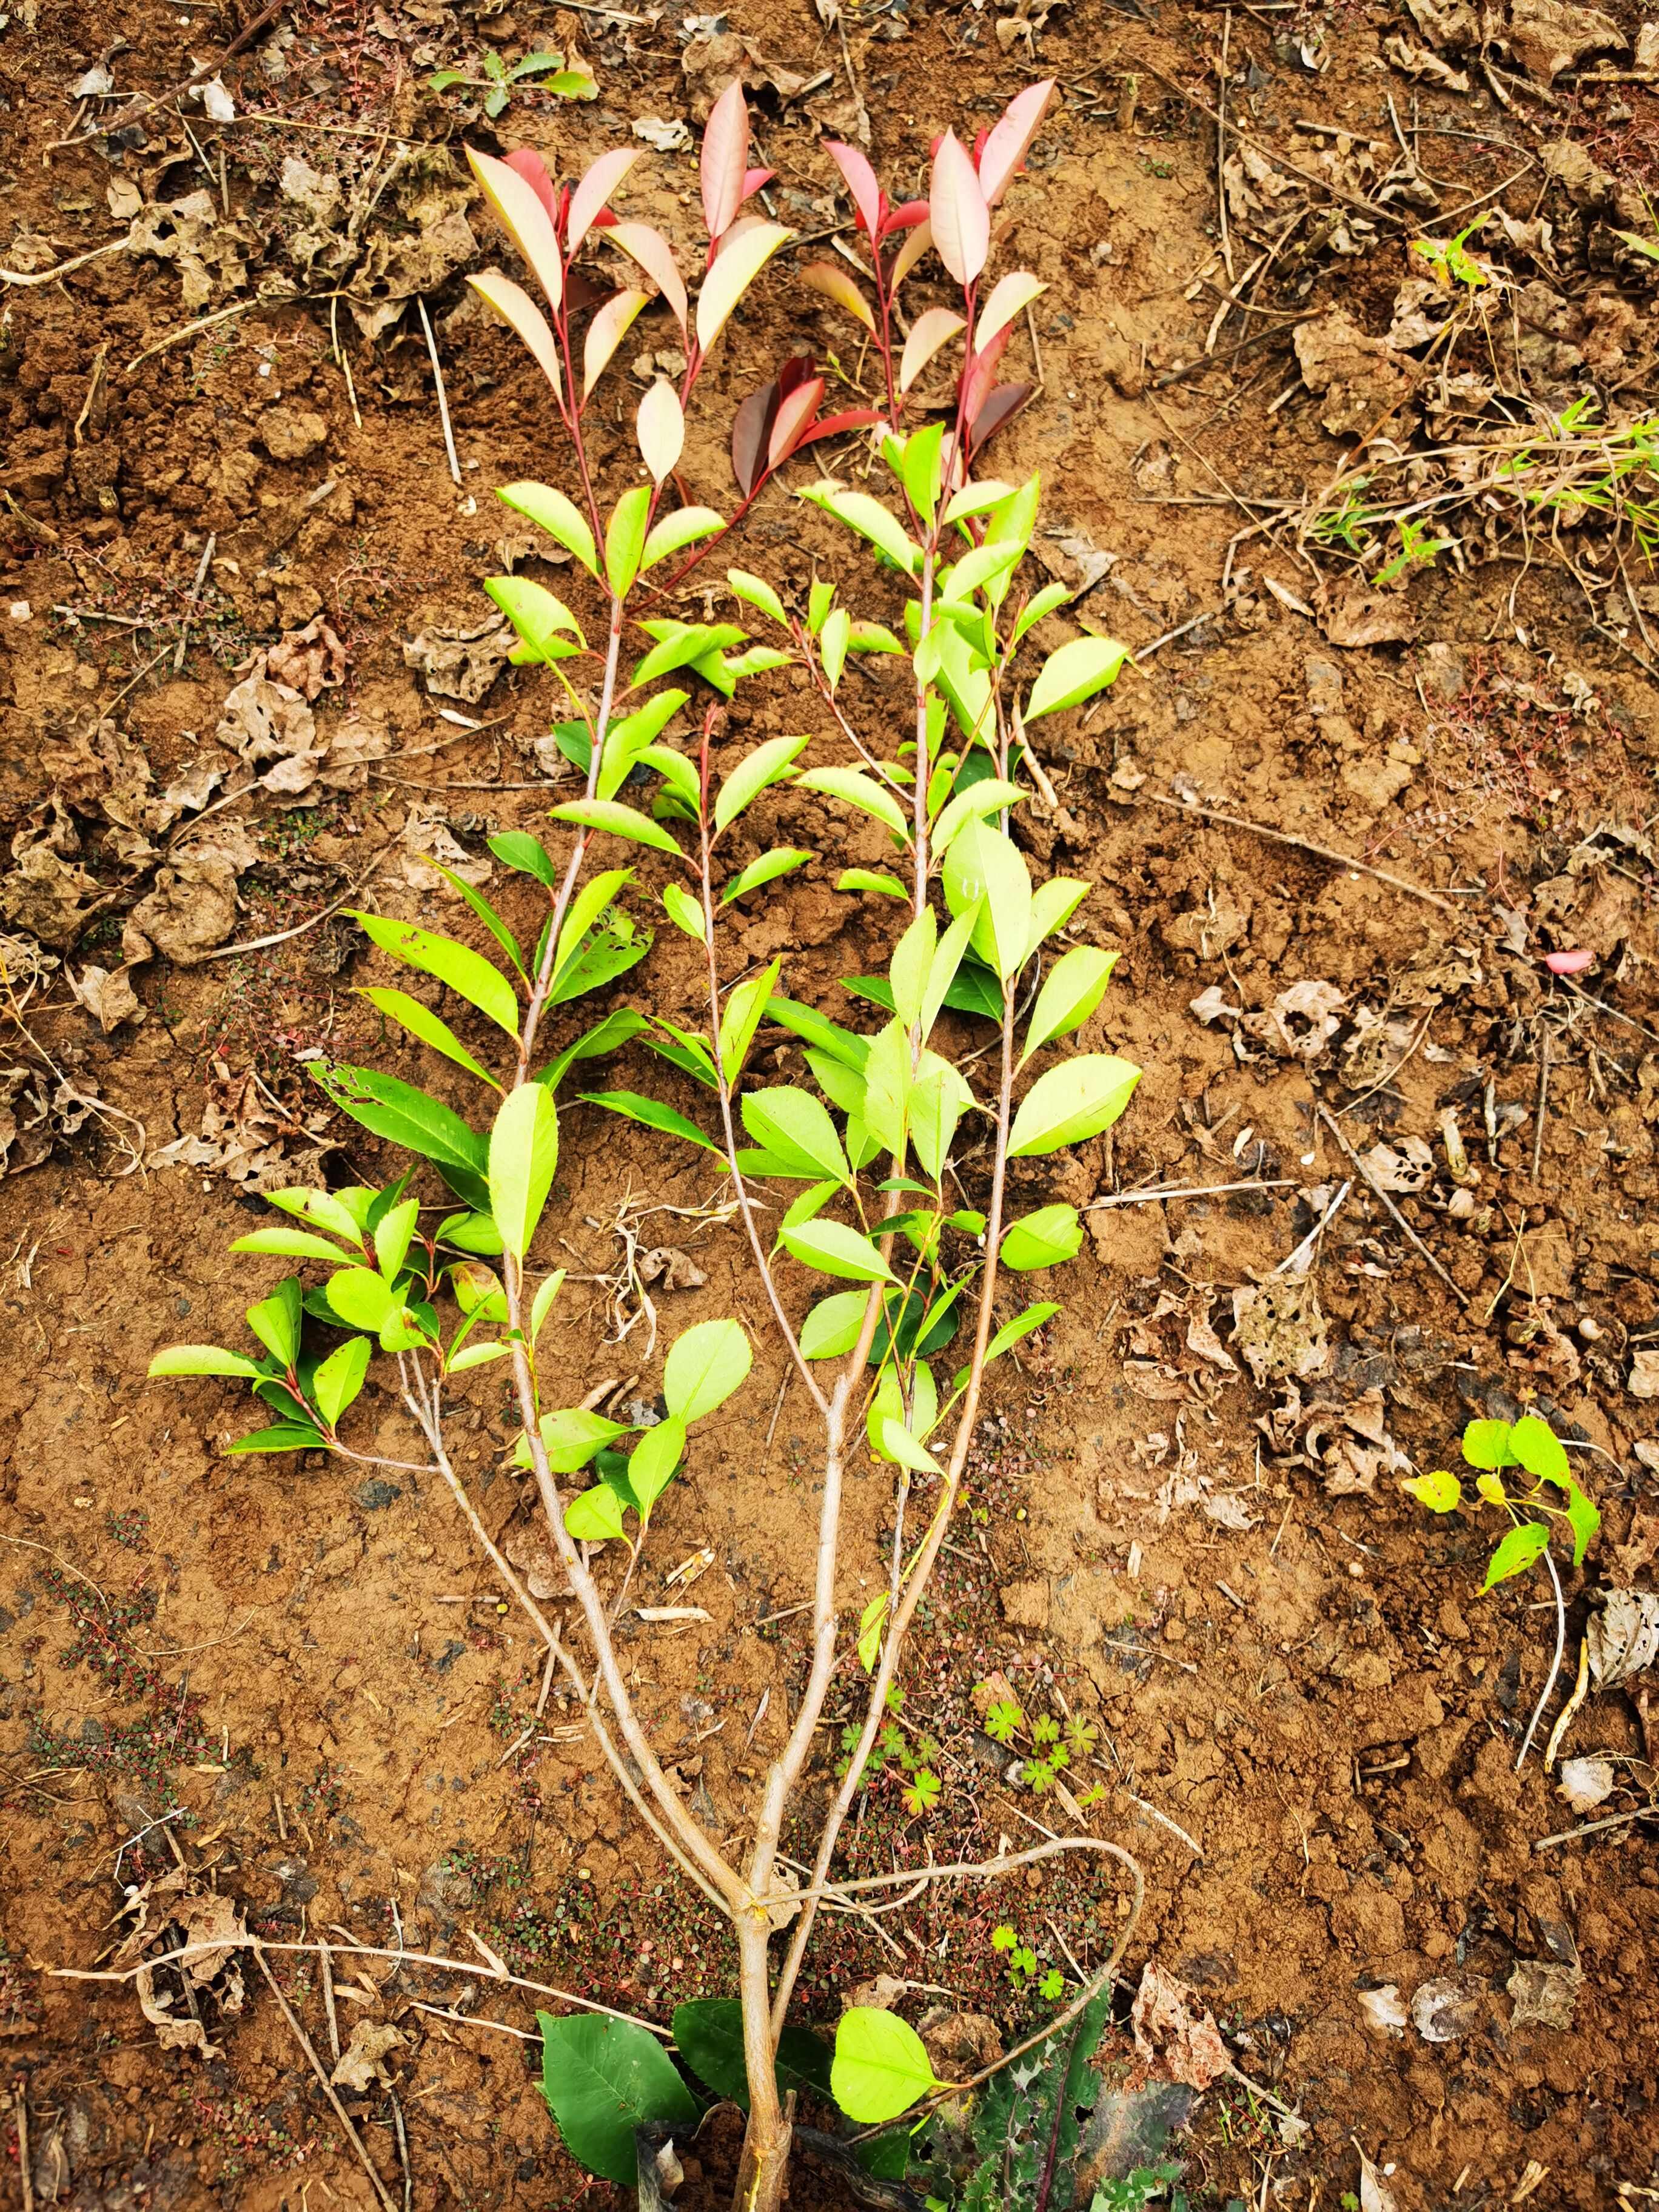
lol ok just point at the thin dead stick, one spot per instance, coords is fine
(1145, 652)
(20, 2089)
(1543, 1098)
(29, 1545)
(1299, 845)
(1549, 1691)
(1563, 1719)
(284, 936)
(63, 268)
(1595, 1827)
(1183, 1190)
(190, 604)
(402, 2150)
(1400, 1222)
(1289, 1262)
(203, 323)
(474, 2020)
(443, 397)
(470, 1967)
(317, 2068)
(328, 2002)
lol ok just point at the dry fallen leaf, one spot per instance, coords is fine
(363, 2063)
(308, 661)
(1623, 1637)
(1279, 1327)
(461, 663)
(1586, 1782)
(674, 1269)
(1383, 2012)
(1362, 619)
(1444, 2011)
(1544, 1991)
(1175, 2033)
(1643, 1378)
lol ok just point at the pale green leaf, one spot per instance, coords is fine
(881, 2065)
(707, 1364)
(1070, 991)
(1072, 1103)
(524, 1152)
(477, 980)
(202, 1359)
(1074, 672)
(834, 1250)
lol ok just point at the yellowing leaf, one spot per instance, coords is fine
(930, 330)
(734, 271)
(520, 312)
(606, 333)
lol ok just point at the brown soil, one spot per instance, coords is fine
(1308, 1721)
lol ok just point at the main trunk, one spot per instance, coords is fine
(765, 2160)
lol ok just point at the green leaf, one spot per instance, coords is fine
(688, 1051)
(1074, 673)
(518, 849)
(707, 1362)
(288, 1244)
(745, 1004)
(362, 1298)
(943, 974)
(1072, 1103)
(756, 592)
(544, 622)
(592, 899)
(988, 796)
(899, 1444)
(1486, 1443)
(624, 538)
(474, 1355)
(871, 879)
(421, 1022)
(608, 952)
(322, 1209)
(794, 1127)
(1053, 905)
(681, 528)
(683, 644)
(857, 789)
(1070, 991)
(684, 911)
(657, 1454)
(570, 1436)
(983, 863)
(881, 2065)
(595, 1515)
(847, 1046)
(1042, 1239)
(913, 956)
(1522, 1548)
(478, 981)
(767, 764)
(708, 2034)
(781, 860)
(1535, 1446)
(602, 2079)
(392, 1233)
(871, 637)
(832, 645)
(1441, 1492)
(486, 913)
(831, 1329)
(202, 1359)
(338, 1380)
(275, 1321)
(938, 1098)
(286, 1436)
(546, 1291)
(618, 1027)
(1041, 603)
(1009, 1333)
(1583, 1519)
(524, 1152)
(651, 1113)
(628, 739)
(551, 510)
(834, 1250)
(871, 1621)
(617, 821)
(406, 1116)
(870, 519)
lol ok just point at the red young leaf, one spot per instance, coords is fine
(751, 427)
(754, 179)
(1004, 403)
(860, 183)
(793, 419)
(851, 419)
(532, 169)
(957, 212)
(600, 180)
(982, 374)
(725, 159)
(1010, 137)
(795, 372)
(906, 216)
